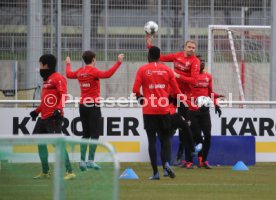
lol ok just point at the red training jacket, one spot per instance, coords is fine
(53, 95)
(156, 79)
(203, 86)
(88, 77)
(185, 66)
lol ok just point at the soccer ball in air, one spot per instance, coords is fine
(203, 101)
(151, 27)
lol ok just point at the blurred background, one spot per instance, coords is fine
(30, 28)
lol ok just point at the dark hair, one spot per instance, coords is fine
(88, 56)
(202, 62)
(50, 60)
(153, 54)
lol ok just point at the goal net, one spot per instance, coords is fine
(238, 59)
(19, 163)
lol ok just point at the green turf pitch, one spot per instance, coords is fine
(219, 183)
(16, 183)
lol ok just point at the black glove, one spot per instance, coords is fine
(172, 100)
(218, 110)
(34, 115)
(140, 99)
(57, 114)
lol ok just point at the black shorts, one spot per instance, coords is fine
(157, 122)
(201, 120)
(50, 125)
(91, 119)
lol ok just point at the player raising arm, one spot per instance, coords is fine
(90, 113)
(185, 64)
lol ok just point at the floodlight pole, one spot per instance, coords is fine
(186, 32)
(159, 24)
(86, 25)
(58, 35)
(34, 41)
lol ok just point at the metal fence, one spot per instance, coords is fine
(29, 28)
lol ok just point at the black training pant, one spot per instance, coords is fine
(184, 142)
(158, 125)
(185, 136)
(201, 122)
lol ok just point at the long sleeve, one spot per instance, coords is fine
(174, 86)
(137, 84)
(38, 109)
(216, 95)
(61, 86)
(186, 79)
(108, 73)
(195, 70)
(69, 73)
(177, 93)
(164, 58)
(167, 57)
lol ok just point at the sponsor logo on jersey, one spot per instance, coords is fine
(157, 86)
(85, 85)
(48, 85)
(148, 72)
(83, 75)
(182, 66)
(187, 64)
(157, 72)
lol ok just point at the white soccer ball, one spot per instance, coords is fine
(151, 27)
(203, 101)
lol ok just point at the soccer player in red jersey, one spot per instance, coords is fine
(156, 79)
(51, 108)
(90, 113)
(200, 120)
(185, 64)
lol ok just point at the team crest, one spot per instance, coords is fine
(148, 72)
(187, 64)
